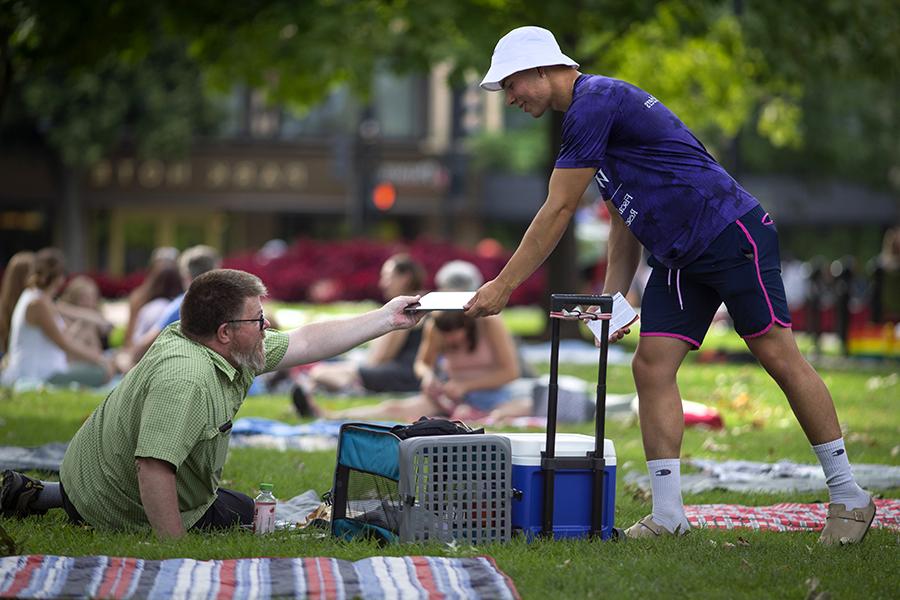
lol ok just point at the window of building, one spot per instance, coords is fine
(399, 104)
(336, 114)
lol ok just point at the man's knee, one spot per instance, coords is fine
(230, 509)
(649, 367)
(778, 354)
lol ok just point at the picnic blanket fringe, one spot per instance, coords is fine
(50, 576)
(782, 517)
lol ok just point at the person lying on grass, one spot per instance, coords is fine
(152, 452)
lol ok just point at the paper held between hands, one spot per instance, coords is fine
(623, 315)
(442, 301)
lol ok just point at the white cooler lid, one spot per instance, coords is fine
(527, 447)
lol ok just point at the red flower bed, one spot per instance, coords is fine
(325, 271)
(116, 287)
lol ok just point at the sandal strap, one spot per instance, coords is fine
(839, 511)
(650, 524)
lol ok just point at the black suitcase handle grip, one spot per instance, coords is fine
(561, 301)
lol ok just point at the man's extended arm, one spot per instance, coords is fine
(156, 482)
(317, 341)
(565, 191)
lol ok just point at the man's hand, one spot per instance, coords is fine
(400, 318)
(615, 336)
(618, 335)
(490, 299)
(156, 482)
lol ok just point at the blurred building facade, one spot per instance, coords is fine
(395, 165)
(344, 168)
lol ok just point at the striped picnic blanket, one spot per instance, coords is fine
(782, 517)
(377, 577)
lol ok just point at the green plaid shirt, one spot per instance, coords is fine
(176, 405)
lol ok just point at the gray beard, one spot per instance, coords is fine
(254, 359)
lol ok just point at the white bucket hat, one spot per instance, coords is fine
(521, 49)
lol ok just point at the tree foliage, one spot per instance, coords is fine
(801, 78)
(700, 65)
(843, 56)
(92, 74)
(157, 103)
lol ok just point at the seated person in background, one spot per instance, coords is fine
(161, 258)
(152, 453)
(192, 263)
(390, 358)
(477, 360)
(15, 279)
(79, 305)
(164, 284)
(38, 343)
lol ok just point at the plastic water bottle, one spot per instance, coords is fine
(264, 510)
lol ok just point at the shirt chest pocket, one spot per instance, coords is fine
(215, 446)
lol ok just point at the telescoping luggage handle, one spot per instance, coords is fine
(564, 306)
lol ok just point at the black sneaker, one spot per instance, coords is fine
(17, 492)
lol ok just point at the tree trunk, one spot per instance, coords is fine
(71, 225)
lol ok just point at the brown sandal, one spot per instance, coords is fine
(844, 526)
(648, 528)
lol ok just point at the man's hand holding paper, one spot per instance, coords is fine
(623, 315)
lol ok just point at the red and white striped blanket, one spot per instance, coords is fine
(377, 577)
(782, 517)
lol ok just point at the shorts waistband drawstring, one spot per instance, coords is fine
(677, 286)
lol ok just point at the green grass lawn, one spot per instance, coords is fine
(711, 563)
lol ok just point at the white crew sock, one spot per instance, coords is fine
(665, 480)
(841, 486)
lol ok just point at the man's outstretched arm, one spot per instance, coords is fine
(318, 341)
(565, 191)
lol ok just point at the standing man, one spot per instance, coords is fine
(710, 242)
(152, 453)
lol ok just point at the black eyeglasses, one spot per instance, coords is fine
(261, 320)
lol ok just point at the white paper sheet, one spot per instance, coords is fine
(442, 301)
(623, 315)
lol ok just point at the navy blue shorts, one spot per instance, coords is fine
(741, 268)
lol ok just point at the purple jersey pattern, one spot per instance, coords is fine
(671, 193)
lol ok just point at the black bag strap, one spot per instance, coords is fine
(432, 426)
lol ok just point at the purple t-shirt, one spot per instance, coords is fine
(672, 194)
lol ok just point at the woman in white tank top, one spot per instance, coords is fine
(37, 340)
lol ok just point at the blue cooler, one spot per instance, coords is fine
(573, 492)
